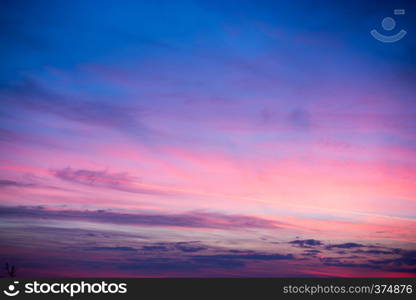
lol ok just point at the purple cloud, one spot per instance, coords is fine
(123, 249)
(12, 183)
(345, 246)
(190, 219)
(116, 181)
(306, 243)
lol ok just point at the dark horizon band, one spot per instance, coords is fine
(136, 288)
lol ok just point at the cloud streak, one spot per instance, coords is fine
(12, 183)
(116, 181)
(191, 219)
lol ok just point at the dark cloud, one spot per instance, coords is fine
(72, 234)
(91, 177)
(240, 251)
(251, 256)
(405, 258)
(12, 183)
(123, 249)
(198, 262)
(168, 261)
(133, 255)
(345, 246)
(181, 264)
(375, 251)
(402, 260)
(190, 219)
(155, 248)
(5, 183)
(187, 248)
(360, 255)
(306, 243)
(380, 265)
(157, 265)
(235, 260)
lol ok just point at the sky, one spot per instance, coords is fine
(207, 139)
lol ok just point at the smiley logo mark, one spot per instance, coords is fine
(389, 24)
(11, 289)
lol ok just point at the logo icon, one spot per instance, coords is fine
(11, 289)
(389, 24)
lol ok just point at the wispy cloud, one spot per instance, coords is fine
(117, 181)
(191, 219)
(12, 183)
(33, 96)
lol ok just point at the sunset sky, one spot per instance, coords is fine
(207, 138)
